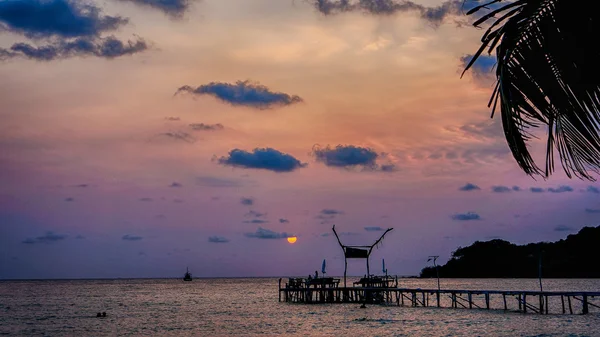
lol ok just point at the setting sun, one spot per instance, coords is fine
(292, 239)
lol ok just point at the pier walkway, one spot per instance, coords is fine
(327, 290)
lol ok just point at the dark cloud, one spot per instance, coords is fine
(263, 233)
(592, 210)
(56, 18)
(282, 220)
(255, 214)
(108, 48)
(247, 201)
(481, 70)
(129, 237)
(516, 188)
(593, 189)
(69, 199)
(257, 221)
(466, 216)
(243, 93)
(49, 237)
(175, 184)
(501, 189)
(563, 228)
(561, 189)
(173, 8)
(218, 239)
(536, 190)
(374, 229)
(347, 156)
(469, 187)
(145, 199)
(433, 15)
(82, 185)
(173, 119)
(327, 215)
(266, 159)
(206, 127)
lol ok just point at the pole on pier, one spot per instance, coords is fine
(541, 304)
(524, 303)
(570, 307)
(470, 296)
(280, 290)
(487, 300)
(504, 298)
(562, 301)
(437, 272)
(585, 305)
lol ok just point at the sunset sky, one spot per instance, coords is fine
(140, 137)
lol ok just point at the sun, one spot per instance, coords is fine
(292, 239)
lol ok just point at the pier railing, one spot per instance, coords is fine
(538, 302)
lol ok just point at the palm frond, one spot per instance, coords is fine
(548, 74)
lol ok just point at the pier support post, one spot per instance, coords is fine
(470, 300)
(487, 300)
(585, 309)
(279, 290)
(562, 301)
(504, 298)
(519, 299)
(541, 304)
(570, 307)
(438, 298)
(524, 303)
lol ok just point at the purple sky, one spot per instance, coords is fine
(225, 126)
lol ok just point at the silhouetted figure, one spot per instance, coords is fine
(316, 274)
(98, 315)
(103, 314)
(309, 277)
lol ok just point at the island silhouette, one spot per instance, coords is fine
(573, 257)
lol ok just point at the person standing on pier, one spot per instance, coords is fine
(316, 274)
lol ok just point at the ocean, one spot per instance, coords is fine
(250, 307)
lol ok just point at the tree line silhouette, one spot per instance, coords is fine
(573, 257)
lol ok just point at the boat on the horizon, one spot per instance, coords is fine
(188, 276)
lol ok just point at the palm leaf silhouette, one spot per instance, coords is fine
(548, 74)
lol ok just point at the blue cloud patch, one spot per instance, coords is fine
(49, 237)
(348, 156)
(561, 189)
(172, 8)
(501, 189)
(536, 190)
(469, 187)
(374, 229)
(243, 93)
(433, 15)
(593, 189)
(265, 159)
(108, 48)
(129, 237)
(263, 233)
(55, 18)
(482, 68)
(563, 228)
(218, 239)
(469, 216)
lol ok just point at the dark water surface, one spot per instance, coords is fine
(248, 307)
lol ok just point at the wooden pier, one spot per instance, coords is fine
(326, 290)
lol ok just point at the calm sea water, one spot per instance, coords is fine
(248, 307)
